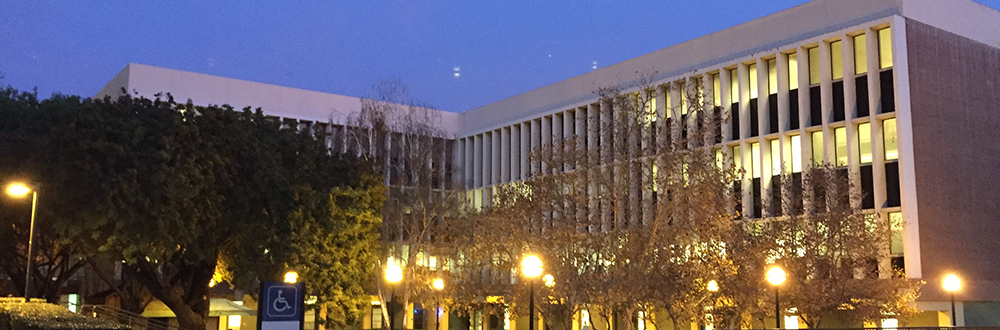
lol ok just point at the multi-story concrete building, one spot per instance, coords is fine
(902, 94)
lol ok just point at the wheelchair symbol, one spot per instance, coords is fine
(280, 304)
(282, 301)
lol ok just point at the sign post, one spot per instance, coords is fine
(281, 306)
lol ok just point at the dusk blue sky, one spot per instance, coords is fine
(500, 48)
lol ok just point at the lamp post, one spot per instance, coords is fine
(776, 276)
(438, 285)
(531, 267)
(21, 190)
(713, 287)
(393, 274)
(952, 284)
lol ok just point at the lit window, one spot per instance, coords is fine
(896, 227)
(734, 86)
(865, 142)
(791, 322)
(640, 323)
(775, 158)
(793, 71)
(860, 59)
(654, 177)
(817, 146)
(683, 98)
(718, 158)
(885, 48)
(840, 139)
(772, 76)
(755, 159)
(667, 102)
(889, 139)
(796, 154)
(650, 106)
(752, 70)
(837, 60)
(716, 90)
(813, 65)
(890, 323)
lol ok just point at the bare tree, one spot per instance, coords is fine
(413, 152)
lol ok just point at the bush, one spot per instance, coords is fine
(42, 316)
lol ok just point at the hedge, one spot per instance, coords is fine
(42, 316)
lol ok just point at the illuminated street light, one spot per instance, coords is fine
(438, 284)
(20, 190)
(291, 276)
(952, 284)
(531, 267)
(712, 286)
(776, 276)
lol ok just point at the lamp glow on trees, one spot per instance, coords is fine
(952, 284)
(776, 276)
(393, 275)
(291, 276)
(20, 190)
(531, 267)
(549, 280)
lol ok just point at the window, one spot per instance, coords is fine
(813, 65)
(667, 103)
(376, 316)
(752, 70)
(793, 71)
(840, 139)
(817, 148)
(716, 90)
(755, 160)
(889, 139)
(796, 154)
(837, 60)
(865, 142)
(738, 158)
(775, 157)
(896, 228)
(860, 59)
(885, 48)
(650, 102)
(682, 98)
(734, 86)
(772, 76)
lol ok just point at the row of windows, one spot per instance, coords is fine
(500, 155)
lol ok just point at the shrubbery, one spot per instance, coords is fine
(41, 316)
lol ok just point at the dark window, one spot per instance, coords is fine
(419, 318)
(754, 125)
(756, 198)
(898, 266)
(867, 187)
(775, 206)
(861, 90)
(892, 184)
(819, 198)
(815, 107)
(793, 109)
(887, 92)
(838, 101)
(796, 192)
(735, 111)
(772, 107)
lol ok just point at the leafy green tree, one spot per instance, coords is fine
(181, 193)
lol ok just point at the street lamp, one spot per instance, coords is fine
(531, 267)
(291, 276)
(393, 274)
(952, 284)
(776, 276)
(438, 285)
(21, 190)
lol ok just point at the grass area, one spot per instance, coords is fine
(43, 316)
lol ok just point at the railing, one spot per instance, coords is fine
(132, 320)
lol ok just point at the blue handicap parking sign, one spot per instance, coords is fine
(281, 301)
